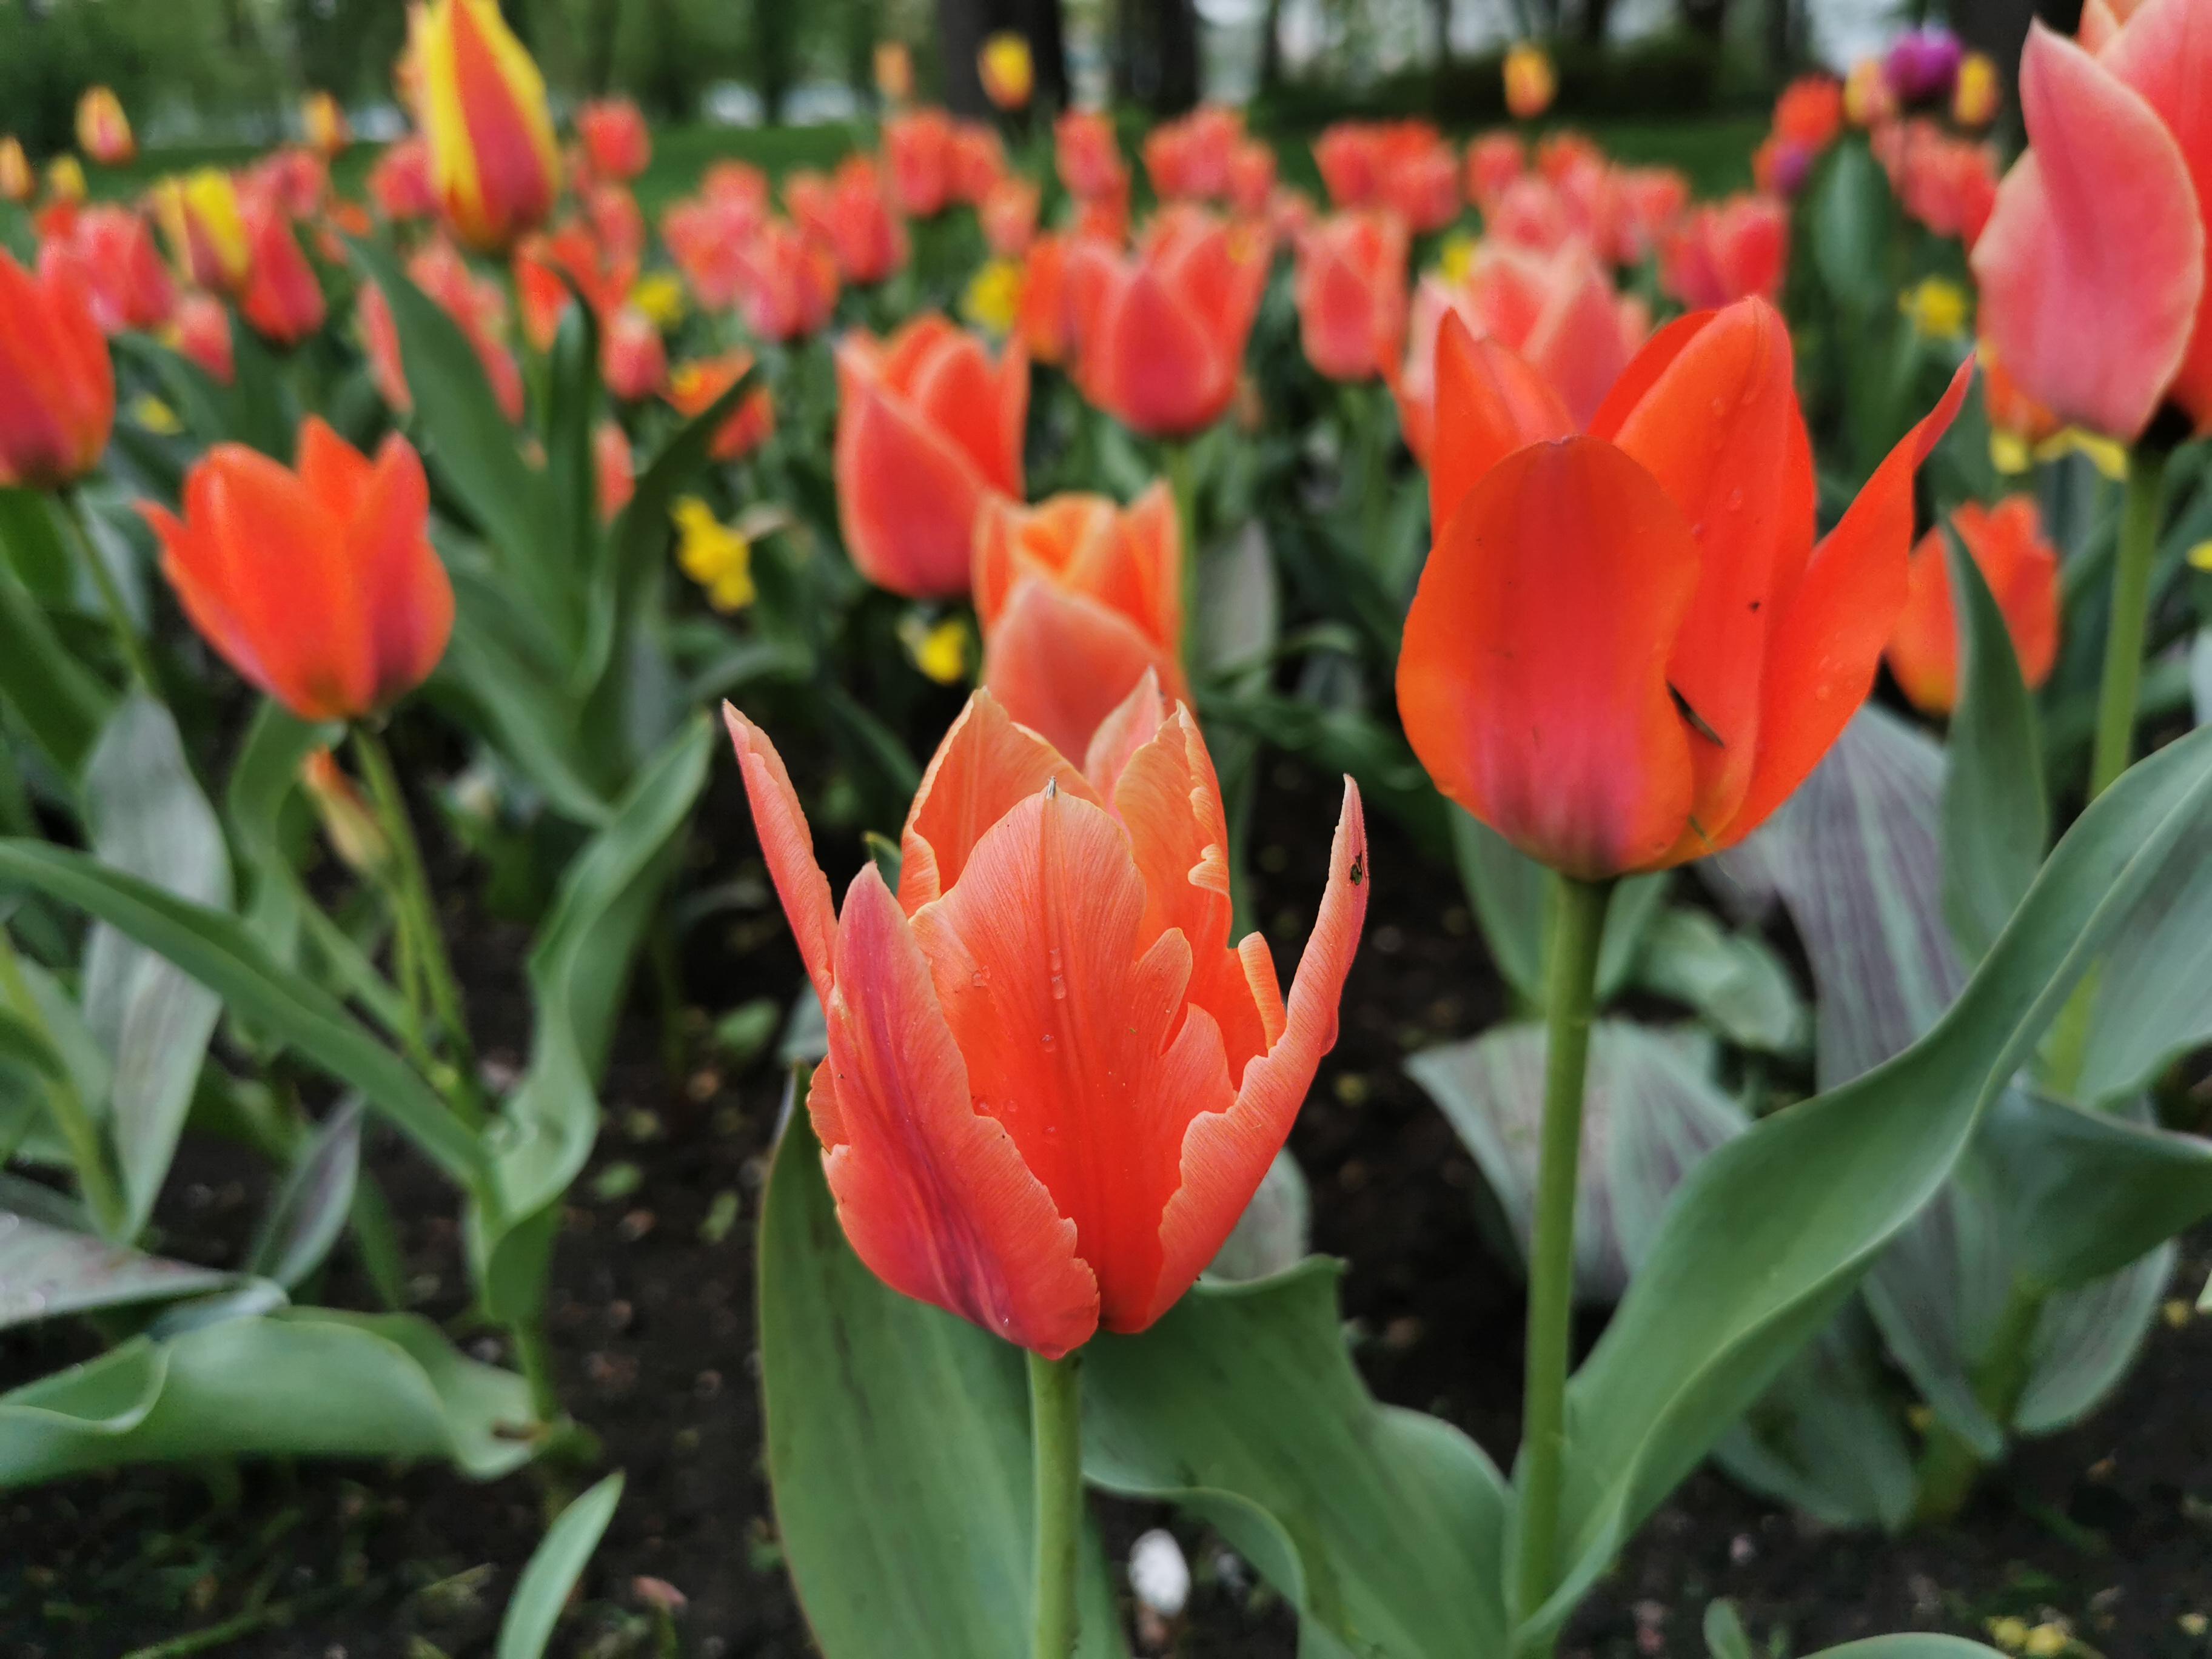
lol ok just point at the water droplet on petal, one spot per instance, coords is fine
(979, 979)
(1736, 500)
(1048, 1039)
(1059, 988)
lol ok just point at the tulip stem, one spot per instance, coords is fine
(1056, 1431)
(1577, 930)
(1182, 481)
(417, 921)
(2124, 638)
(141, 667)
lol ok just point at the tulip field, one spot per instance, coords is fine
(1054, 882)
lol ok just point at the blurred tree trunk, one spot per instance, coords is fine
(862, 23)
(1156, 54)
(776, 54)
(1597, 18)
(1709, 17)
(962, 26)
(602, 25)
(1999, 27)
(1271, 46)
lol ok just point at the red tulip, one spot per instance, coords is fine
(694, 386)
(475, 303)
(1042, 321)
(399, 182)
(2093, 264)
(2007, 543)
(1420, 179)
(1009, 216)
(319, 585)
(1162, 336)
(202, 333)
(786, 282)
(1088, 155)
(546, 265)
(494, 165)
(917, 147)
(616, 141)
(1627, 649)
(1729, 251)
(1079, 599)
(851, 212)
(283, 302)
(124, 277)
(613, 468)
(976, 160)
(1351, 289)
(201, 216)
(57, 385)
(1493, 162)
(632, 361)
(1810, 112)
(1349, 155)
(927, 430)
(1053, 1085)
(1190, 159)
(103, 132)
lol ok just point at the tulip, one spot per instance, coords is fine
(294, 177)
(494, 165)
(1868, 100)
(1494, 161)
(1040, 316)
(18, 182)
(1531, 83)
(349, 822)
(632, 361)
(1189, 159)
(323, 124)
(2018, 426)
(1053, 1085)
(617, 222)
(1810, 111)
(1162, 335)
(1351, 291)
(1780, 165)
(1007, 69)
(317, 584)
(694, 387)
(614, 471)
(1420, 180)
(2093, 266)
(616, 141)
(1349, 156)
(1923, 63)
(1251, 178)
(1009, 216)
(205, 228)
(283, 301)
(476, 303)
(103, 132)
(57, 385)
(399, 183)
(851, 212)
(1726, 252)
(894, 68)
(2007, 544)
(1979, 93)
(975, 162)
(918, 148)
(201, 331)
(65, 179)
(1088, 155)
(1078, 600)
(786, 282)
(113, 250)
(1627, 649)
(546, 265)
(928, 429)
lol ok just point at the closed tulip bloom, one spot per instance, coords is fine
(977, 161)
(18, 182)
(1421, 182)
(786, 281)
(1251, 178)
(323, 124)
(1979, 92)
(1041, 318)
(1531, 83)
(1725, 252)
(1053, 1085)
(1627, 649)
(1494, 161)
(929, 430)
(1351, 291)
(614, 470)
(474, 302)
(57, 385)
(1162, 335)
(317, 584)
(399, 182)
(1079, 599)
(1810, 111)
(494, 164)
(918, 151)
(851, 211)
(1007, 69)
(1189, 159)
(1088, 156)
(1009, 216)
(2007, 544)
(2093, 265)
(129, 285)
(103, 132)
(632, 359)
(546, 268)
(1868, 100)
(66, 179)
(201, 331)
(616, 141)
(1349, 155)
(694, 387)
(283, 302)
(205, 226)
(894, 68)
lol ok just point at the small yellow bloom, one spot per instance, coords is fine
(1936, 308)
(350, 824)
(1975, 95)
(17, 181)
(1531, 83)
(65, 179)
(2200, 556)
(939, 651)
(2047, 1641)
(1455, 258)
(894, 71)
(1007, 69)
(2008, 1634)
(2194, 1624)
(993, 298)
(2110, 458)
(712, 554)
(660, 297)
(155, 416)
(2008, 452)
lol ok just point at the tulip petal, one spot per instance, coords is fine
(932, 1191)
(985, 766)
(1061, 662)
(2092, 263)
(1153, 360)
(1226, 1154)
(1922, 652)
(1065, 1013)
(981, 408)
(1489, 403)
(1122, 733)
(907, 495)
(405, 595)
(1578, 341)
(1532, 680)
(787, 847)
(1828, 636)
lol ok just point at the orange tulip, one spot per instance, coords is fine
(1810, 112)
(1868, 100)
(785, 282)
(1531, 83)
(851, 212)
(205, 228)
(1079, 599)
(1007, 69)
(494, 165)
(18, 182)
(1727, 251)
(283, 301)
(1351, 290)
(1494, 161)
(2007, 543)
(617, 143)
(2094, 264)
(1040, 319)
(323, 124)
(1088, 155)
(918, 150)
(1160, 337)
(929, 430)
(632, 361)
(113, 249)
(201, 331)
(1251, 179)
(1053, 1085)
(1189, 159)
(57, 385)
(318, 585)
(399, 182)
(544, 267)
(975, 162)
(103, 132)
(613, 468)
(1627, 649)
(1009, 216)
(894, 67)
(693, 388)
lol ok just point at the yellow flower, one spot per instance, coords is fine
(660, 297)
(65, 179)
(1007, 69)
(2008, 1634)
(1531, 83)
(2046, 1641)
(712, 554)
(2008, 452)
(1457, 257)
(1936, 308)
(2200, 558)
(199, 216)
(2109, 457)
(894, 71)
(940, 651)
(993, 298)
(1975, 93)
(155, 416)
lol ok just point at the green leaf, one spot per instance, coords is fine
(1511, 896)
(148, 818)
(898, 1449)
(215, 949)
(530, 719)
(1239, 610)
(1735, 981)
(1914, 1646)
(1768, 1235)
(1275, 1231)
(310, 1207)
(262, 780)
(300, 1382)
(1650, 1112)
(554, 1566)
(2151, 1003)
(1385, 1527)
(1996, 817)
(1343, 740)
(1724, 1633)
(46, 1271)
(62, 704)
(572, 407)
(1852, 218)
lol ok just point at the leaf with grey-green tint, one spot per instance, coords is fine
(46, 1271)
(309, 1208)
(1735, 981)
(1274, 1231)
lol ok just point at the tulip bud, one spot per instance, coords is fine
(617, 143)
(201, 331)
(2007, 544)
(57, 383)
(323, 124)
(201, 221)
(283, 302)
(632, 361)
(693, 388)
(1007, 69)
(103, 132)
(18, 182)
(614, 471)
(1531, 83)
(65, 179)
(348, 822)
(894, 71)
(494, 164)
(1868, 100)
(1978, 91)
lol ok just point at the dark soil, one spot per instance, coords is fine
(2103, 1527)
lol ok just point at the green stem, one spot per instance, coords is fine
(1578, 930)
(418, 920)
(1183, 480)
(1949, 1467)
(118, 614)
(1056, 1430)
(2124, 639)
(1368, 439)
(87, 1148)
(533, 1356)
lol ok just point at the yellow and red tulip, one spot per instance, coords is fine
(103, 131)
(1531, 83)
(494, 167)
(323, 124)
(1007, 70)
(694, 386)
(19, 182)
(205, 228)
(283, 301)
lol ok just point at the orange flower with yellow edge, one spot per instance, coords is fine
(493, 163)
(103, 131)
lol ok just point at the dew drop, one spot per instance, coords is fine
(1059, 988)
(1053, 956)
(980, 978)
(1048, 1039)
(1736, 500)
(1720, 407)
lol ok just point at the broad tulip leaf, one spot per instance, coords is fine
(572, 403)
(148, 818)
(550, 1575)
(1511, 895)
(530, 717)
(1385, 1527)
(312, 1203)
(1735, 981)
(300, 1382)
(1650, 1112)
(898, 1449)
(1239, 607)
(46, 1271)
(2086, 1339)
(1914, 1645)
(2152, 1001)
(1767, 1237)
(1853, 214)
(1275, 1231)
(1996, 817)
(63, 705)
